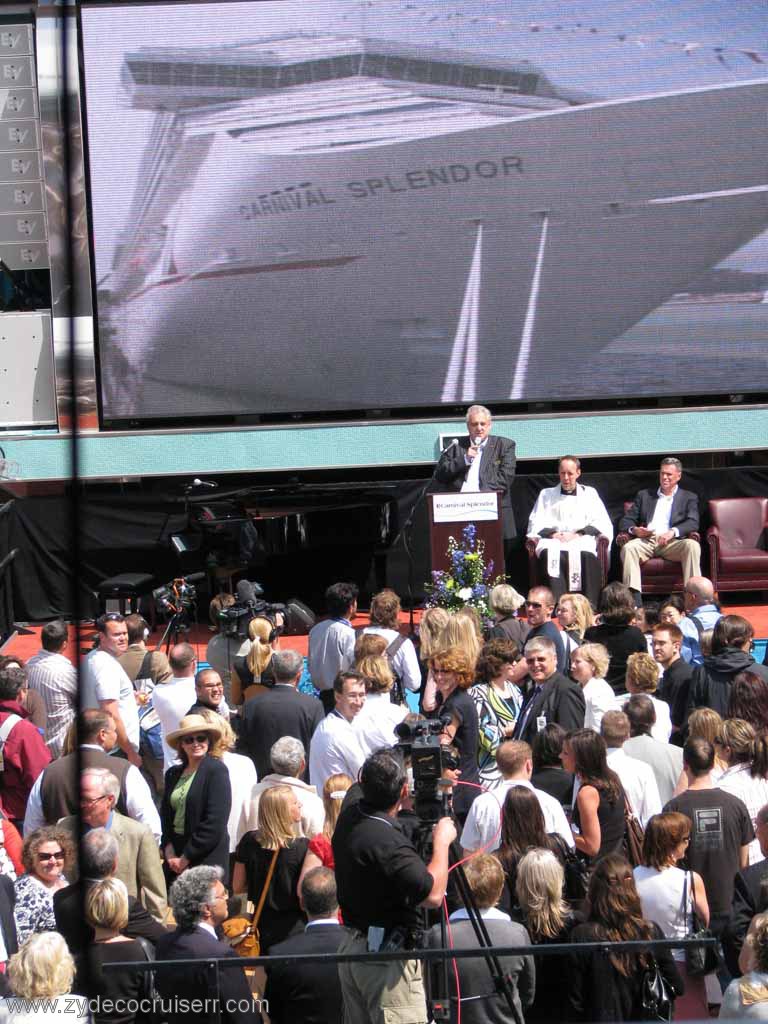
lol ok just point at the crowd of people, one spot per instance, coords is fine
(606, 774)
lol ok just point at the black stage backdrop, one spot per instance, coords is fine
(308, 535)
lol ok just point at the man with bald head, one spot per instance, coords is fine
(171, 699)
(701, 613)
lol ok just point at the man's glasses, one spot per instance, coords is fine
(201, 738)
(91, 803)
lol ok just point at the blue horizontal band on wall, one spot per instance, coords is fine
(340, 446)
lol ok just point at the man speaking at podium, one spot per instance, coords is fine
(482, 462)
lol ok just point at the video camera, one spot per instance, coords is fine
(429, 760)
(234, 621)
(178, 595)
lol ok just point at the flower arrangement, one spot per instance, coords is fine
(469, 579)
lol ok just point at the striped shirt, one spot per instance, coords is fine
(54, 677)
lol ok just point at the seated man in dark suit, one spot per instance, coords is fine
(299, 993)
(660, 521)
(199, 902)
(750, 897)
(552, 697)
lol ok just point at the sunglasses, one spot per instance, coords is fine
(534, 604)
(59, 855)
(199, 738)
(113, 617)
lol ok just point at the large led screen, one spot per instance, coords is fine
(329, 206)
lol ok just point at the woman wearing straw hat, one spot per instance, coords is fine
(197, 799)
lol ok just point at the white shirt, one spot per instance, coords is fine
(242, 779)
(335, 749)
(639, 783)
(406, 662)
(54, 677)
(104, 678)
(662, 727)
(599, 698)
(663, 513)
(312, 809)
(483, 824)
(753, 792)
(172, 701)
(138, 801)
(375, 723)
(472, 481)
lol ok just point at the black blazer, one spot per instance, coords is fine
(267, 717)
(8, 926)
(306, 993)
(192, 983)
(560, 700)
(497, 471)
(70, 922)
(206, 837)
(684, 515)
(750, 897)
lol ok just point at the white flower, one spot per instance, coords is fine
(465, 593)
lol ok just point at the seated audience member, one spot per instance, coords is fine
(637, 779)
(522, 829)
(274, 843)
(676, 681)
(497, 702)
(505, 602)
(665, 760)
(749, 700)
(320, 852)
(643, 678)
(552, 696)
(549, 921)
(746, 998)
(669, 894)
(116, 992)
(672, 613)
(400, 652)
(566, 521)
(598, 811)
(289, 762)
(56, 795)
(51, 674)
(607, 988)
(41, 974)
(617, 633)
(309, 993)
(242, 779)
(253, 671)
(589, 666)
(485, 879)
(199, 902)
(378, 718)
(548, 772)
(25, 754)
(746, 755)
(717, 855)
(750, 896)
(731, 646)
(575, 615)
(46, 854)
(660, 522)
(482, 829)
(98, 859)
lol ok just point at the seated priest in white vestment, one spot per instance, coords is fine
(566, 521)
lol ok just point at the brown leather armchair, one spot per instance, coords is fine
(603, 546)
(737, 543)
(658, 575)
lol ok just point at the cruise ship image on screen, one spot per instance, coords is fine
(325, 222)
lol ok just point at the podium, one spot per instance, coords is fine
(449, 513)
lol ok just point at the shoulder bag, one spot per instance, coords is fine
(633, 835)
(242, 932)
(699, 960)
(656, 998)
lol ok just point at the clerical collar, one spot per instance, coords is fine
(567, 494)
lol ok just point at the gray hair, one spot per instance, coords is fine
(110, 784)
(479, 410)
(286, 664)
(505, 599)
(540, 643)
(192, 891)
(98, 852)
(670, 460)
(287, 755)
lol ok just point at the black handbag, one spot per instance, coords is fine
(576, 869)
(699, 960)
(657, 999)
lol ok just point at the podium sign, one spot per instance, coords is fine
(450, 512)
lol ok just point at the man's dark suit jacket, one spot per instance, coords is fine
(193, 982)
(68, 909)
(206, 820)
(7, 926)
(267, 717)
(497, 471)
(561, 700)
(306, 993)
(750, 897)
(684, 515)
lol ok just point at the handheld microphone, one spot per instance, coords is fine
(197, 482)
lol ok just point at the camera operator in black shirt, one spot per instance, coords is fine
(382, 885)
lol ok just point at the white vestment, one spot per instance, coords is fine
(568, 514)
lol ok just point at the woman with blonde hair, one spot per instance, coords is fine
(251, 670)
(548, 920)
(461, 632)
(271, 858)
(320, 852)
(575, 615)
(745, 753)
(375, 723)
(43, 969)
(643, 677)
(589, 665)
(746, 998)
(704, 724)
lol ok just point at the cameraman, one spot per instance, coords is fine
(382, 883)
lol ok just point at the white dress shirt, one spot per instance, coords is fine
(335, 749)
(738, 781)
(663, 513)
(375, 723)
(483, 824)
(103, 678)
(172, 701)
(472, 480)
(639, 784)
